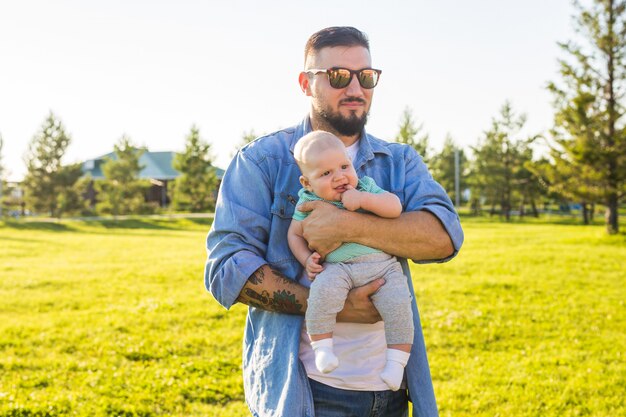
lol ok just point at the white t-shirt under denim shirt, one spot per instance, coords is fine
(361, 348)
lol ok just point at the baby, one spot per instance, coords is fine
(328, 175)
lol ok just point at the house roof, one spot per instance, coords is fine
(156, 165)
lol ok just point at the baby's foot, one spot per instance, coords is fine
(394, 368)
(325, 359)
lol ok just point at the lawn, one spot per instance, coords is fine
(112, 319)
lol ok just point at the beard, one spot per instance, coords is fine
(346, 126)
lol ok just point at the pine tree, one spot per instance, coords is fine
(499, 162)
(247, 137)
(122, 192)
(48, 185)
(412, 135)
(195, 188)
(443, 167)
(589, 134)
(529, 186)
(567, 184)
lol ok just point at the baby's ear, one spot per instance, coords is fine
(304, 181)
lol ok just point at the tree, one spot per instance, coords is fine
(569, 182)
(443, 167)
(122, 192)
(589, 135)
(411, 135)
(529, 185)
(498, 171)
(246, 137)
(85, 191)
(48, 185)
(195, 188)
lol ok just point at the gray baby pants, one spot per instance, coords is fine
(393, 300)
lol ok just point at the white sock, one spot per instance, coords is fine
(325, 359)
(394, 368)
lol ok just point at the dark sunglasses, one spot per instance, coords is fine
(341, 77)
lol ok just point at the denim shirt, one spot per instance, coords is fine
(254, 208)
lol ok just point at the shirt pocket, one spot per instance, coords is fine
(283, 205)
(278, 253)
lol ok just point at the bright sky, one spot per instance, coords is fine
(150, 69)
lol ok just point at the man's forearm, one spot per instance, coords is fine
(417, 235)
(269, 289)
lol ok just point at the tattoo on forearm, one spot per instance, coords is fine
(253, 296)
(286, 301)
(284, 278)
(257, 277)
(282, 300)
(280, 274)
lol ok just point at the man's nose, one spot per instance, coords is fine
(354, 88)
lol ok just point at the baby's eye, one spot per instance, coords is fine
(325, 173)
(344, 166)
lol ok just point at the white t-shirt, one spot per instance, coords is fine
(353, 149)
(361, 348)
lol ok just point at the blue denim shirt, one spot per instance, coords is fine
(254, 208)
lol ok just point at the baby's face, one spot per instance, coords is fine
(328, 172)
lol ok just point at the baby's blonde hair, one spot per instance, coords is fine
(312, 143)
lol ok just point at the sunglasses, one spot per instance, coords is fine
(342, 77)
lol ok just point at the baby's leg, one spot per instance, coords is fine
(326, 298)
(393, 301)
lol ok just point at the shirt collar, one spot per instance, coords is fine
(367, 148)
(301, 129)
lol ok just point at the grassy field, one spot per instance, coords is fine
(112, 319)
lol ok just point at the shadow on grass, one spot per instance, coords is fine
(147, 224)
(201, 221)
(618, 239)
(552, 219)
(49, 226)
(135, 223)
(165, 223)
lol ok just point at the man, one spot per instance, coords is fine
(249, 260)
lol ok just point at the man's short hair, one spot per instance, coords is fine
(335, 36)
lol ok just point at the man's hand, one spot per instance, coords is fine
(359, 307)
(351, 198)
(322, 228)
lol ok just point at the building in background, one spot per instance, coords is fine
(157, 168)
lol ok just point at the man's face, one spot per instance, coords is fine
(342, 110)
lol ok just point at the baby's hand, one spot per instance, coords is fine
(313, 266)
(351, 198)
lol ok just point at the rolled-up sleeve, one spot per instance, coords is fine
(237, 242)
(422, 192)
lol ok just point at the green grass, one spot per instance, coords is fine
(112, 319)
(528, 321)
(102, 319)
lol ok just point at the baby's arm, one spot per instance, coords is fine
(300, 249)
(384, 204)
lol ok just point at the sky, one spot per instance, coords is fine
(152, 69)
